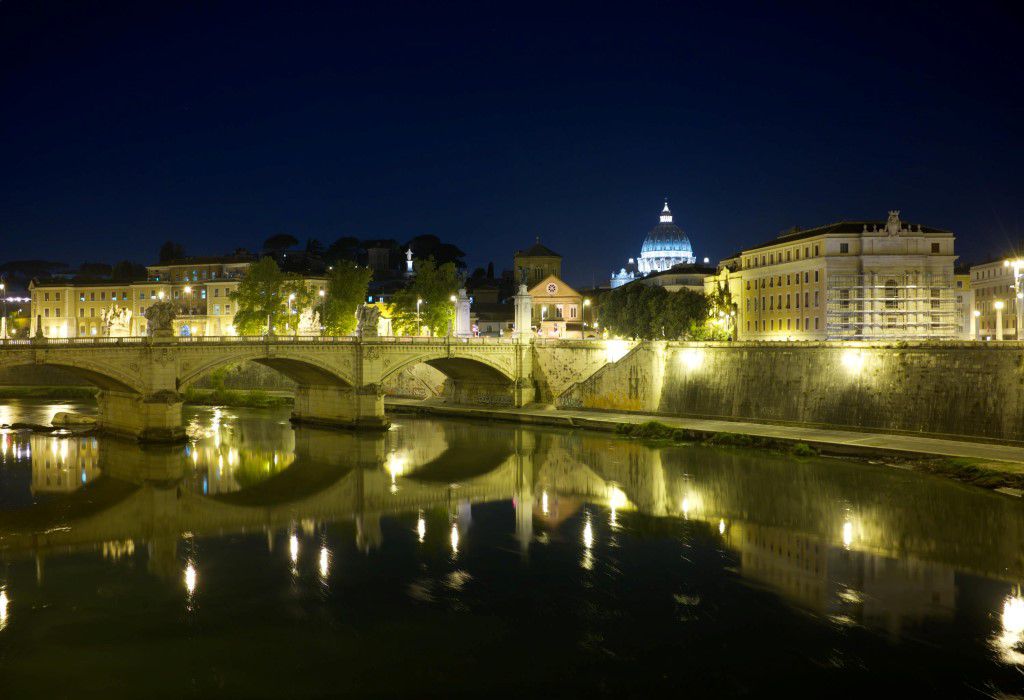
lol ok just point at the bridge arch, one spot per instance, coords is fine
(305, 369)
(459, 367)
(106, 377)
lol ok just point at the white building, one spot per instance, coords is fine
(665, 246)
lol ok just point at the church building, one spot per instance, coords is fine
(665, 246)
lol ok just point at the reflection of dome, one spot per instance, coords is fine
(666, 245)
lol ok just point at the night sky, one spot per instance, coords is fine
(218, 124)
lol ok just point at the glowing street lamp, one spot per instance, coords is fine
(188, 298)
(1018, 288)
(3, 324)
(419, 327)
(974, 323)
(291, 298)
(999, 319)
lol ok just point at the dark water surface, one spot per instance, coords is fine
(450, 558)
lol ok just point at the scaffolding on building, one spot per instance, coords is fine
(879, 306)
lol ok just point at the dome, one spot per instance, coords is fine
(666, 238)
(665, 245)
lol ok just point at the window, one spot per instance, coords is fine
(81, 296)
(815, 275)
(844, 247)
(806, 279)
(772, 324)
(216, 309)
(890, 294)
(81, 329)
(748, 286)
(807, 252)
(789, 279)
(216, 290)
(797, 253)
(748, 325)
(771, 259)
(142, 296)
(787, 301)
(935, 247)
(202, 294)
(56, 313)
(92, 296)
(92, 313)
(807, 323)
(816, 323)
(936, 295)
(771, 303)
(103, 296)
(81, 313)
(56, 296)
(815, 303)
(748, 305)
(46, 296)
(788, 325)
(787, 256)
(227, 308)
(815, 250)
(771, 281)
(797, 300)
(806, 299)
(46, 313)
(763, 324)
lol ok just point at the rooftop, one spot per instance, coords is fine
(845, 227)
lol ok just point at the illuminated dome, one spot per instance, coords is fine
(666, 245)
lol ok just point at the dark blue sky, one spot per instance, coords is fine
(218, 124)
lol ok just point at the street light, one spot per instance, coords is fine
(419, 327)
(999, 319)
(291, 298)
(974, 323)
(3, 293)
(586, 303)
(188, 300)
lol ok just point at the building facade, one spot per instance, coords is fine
(535, 264)
(557, 309)
(852, 280)
(200, 288)
(994, 285)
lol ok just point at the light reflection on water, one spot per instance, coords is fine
(426, 507)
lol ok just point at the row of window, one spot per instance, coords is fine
(769, 258)
(769, 325)
(771, 302)
(789, 280)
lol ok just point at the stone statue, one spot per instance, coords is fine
(117, 321)
(160, 317)
(309, 323)
(893, 226)
(368, 316)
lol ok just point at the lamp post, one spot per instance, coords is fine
(974, 324)
(419, 326)
(586, 305)
(3, 293)
(999, 319)
(451, 324)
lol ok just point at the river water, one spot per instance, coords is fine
(448, 558)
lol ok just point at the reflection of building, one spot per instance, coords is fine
(61, 464)
(200, 288)
(664, 247)
(853, 280)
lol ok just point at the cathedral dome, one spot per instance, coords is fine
(665, 245)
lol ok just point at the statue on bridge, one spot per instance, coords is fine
(160, 319)
(368, 316)
(309, 323)
(116, 321)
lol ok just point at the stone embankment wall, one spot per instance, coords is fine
(940, 388)
(560, 364)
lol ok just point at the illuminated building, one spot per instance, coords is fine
(199, 287)
(666, 246)
(852, 280)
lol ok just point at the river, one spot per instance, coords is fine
(448, 557)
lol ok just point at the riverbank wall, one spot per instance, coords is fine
(955, 389)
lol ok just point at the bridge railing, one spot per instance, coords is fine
(236, 339)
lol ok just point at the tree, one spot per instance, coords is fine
(128, 271)
(434, 284)
(171, 251)
(314, 248)
(260, 298)
(652, 313)
(94, 270)
(347, 285)
(430, 246)
(345, 248)
(299, 297)
(280, 242)
(490, 270)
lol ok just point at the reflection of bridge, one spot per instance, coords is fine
(790, 522)
(339, 379)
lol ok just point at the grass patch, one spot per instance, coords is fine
(972, 471)
(254, 398)
(653, 430)
(70, 393)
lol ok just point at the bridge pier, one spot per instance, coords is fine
(340, 406)
(152, 417)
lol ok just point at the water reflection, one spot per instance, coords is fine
(858, 545)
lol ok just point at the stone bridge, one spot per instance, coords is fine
(339, 379)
